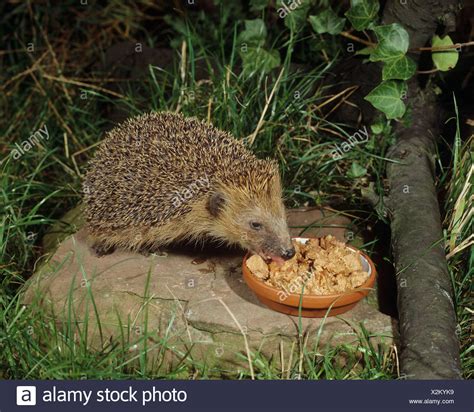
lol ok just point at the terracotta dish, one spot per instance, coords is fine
(312, 306)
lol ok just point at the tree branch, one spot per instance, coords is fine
(429, 345)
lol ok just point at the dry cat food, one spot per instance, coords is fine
(324, 266)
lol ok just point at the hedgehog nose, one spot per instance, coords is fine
(288, 253)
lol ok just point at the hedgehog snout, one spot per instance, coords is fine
(287, 250)
(288, 253)
(275, 248)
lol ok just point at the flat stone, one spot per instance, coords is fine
(193, 302)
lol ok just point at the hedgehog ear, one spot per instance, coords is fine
(216, 203)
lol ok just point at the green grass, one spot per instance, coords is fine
(38, 188)
(459, 228)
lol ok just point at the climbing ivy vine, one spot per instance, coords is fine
(390, 48)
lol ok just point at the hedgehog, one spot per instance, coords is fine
(163, 178)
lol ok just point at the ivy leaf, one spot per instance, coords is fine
(377, 128)
(254, 56)
(327, 22)
(366, 51)
(356, 170)
(257, 59)
(393, 41)
(387, 97)
(362, 13)
(398, 67)
(444, 60)
(254, 34)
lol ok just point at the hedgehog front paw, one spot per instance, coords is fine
(101, 250)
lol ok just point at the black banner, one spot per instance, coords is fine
(396, 396)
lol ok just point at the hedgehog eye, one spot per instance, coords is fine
(256, 225)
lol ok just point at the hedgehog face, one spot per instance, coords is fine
(257, 223)
(265, 234)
